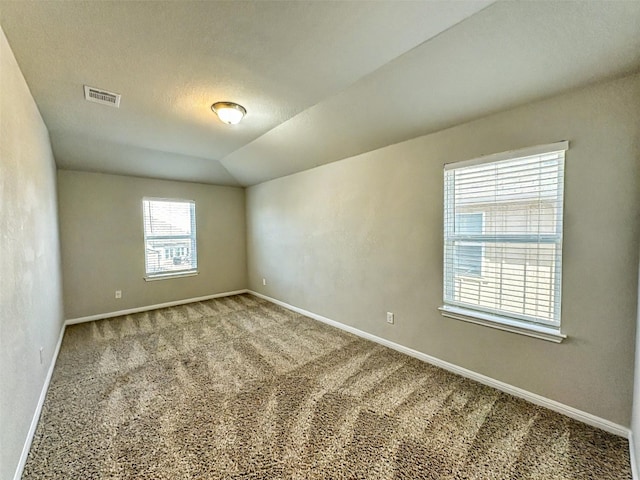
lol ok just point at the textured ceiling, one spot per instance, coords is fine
(321, 80)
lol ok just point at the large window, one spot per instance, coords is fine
(503, 240)
(169, 237)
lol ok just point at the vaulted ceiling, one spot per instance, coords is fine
(321, 81)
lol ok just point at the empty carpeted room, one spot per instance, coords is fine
(319, 240)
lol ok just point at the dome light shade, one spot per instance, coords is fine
(229, 112)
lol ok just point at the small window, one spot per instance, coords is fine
(169, 237)
(503, 239)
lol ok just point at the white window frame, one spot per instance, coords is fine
(508, 321)
(187, 272)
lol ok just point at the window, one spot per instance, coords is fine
(169, 237)
(503, 240)
(469, 254)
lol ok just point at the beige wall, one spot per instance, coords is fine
(635, 416)
(103, 248)
(356, 238)
(30, 283)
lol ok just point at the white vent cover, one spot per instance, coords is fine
(103, 97)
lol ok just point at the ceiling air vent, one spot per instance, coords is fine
(101, 96)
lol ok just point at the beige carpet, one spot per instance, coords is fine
(238, 388)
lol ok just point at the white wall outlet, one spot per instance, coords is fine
(41, 355)
(264, 281)
(118, 293)
(390, 318)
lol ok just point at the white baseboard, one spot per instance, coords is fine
(102, 316)
(632, 457)
(571, 412)
(38, 410)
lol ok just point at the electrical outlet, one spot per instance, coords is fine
(264, 281)
(118, 293)
(390, 317)
(41, 355)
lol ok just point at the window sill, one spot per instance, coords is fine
(165, 276)
(550, 334)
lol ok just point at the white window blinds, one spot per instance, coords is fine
(503, 235)
(169, 237)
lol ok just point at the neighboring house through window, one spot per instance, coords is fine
(169, 237)
(468, 255)
(503, 240)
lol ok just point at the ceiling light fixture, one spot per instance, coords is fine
(229, 112)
